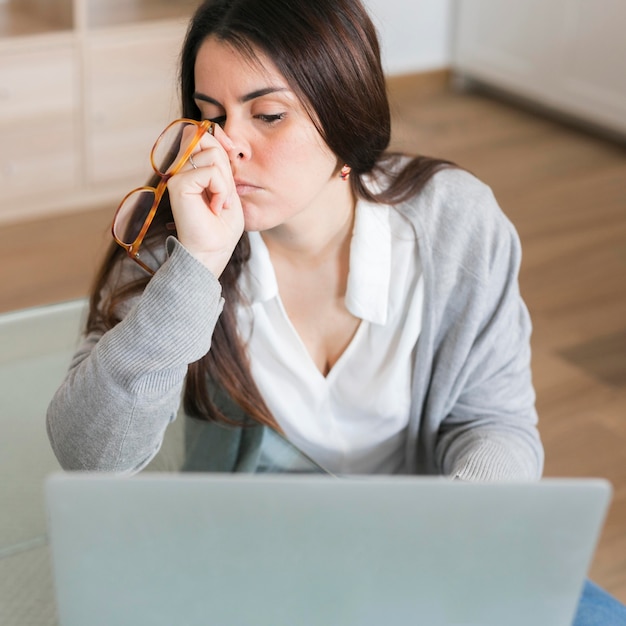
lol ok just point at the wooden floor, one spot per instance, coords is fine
(564, 189)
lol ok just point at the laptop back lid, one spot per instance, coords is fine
(274, 550)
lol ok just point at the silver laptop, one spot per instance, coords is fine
(196, 549)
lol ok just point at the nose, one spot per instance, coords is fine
(238, 153)
(241, 146)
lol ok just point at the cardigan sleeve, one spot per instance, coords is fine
(123, 387)
(478, 414)
(491, 431)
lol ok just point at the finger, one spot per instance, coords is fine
(218, 202)
(224, 140)
(211, 151)
(187, 152)
(214, 180)
(206, 183)
(192, 162)
(215, 158)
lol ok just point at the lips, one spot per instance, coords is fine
(244, 187)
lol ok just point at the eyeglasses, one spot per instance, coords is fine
(138, 208)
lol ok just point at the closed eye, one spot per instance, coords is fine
(220, 120)
(267, 119)
(270, 119)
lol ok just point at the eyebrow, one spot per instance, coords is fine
(249, 96)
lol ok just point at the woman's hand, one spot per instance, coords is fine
(206, 208)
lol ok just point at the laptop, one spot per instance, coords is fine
(191, 549)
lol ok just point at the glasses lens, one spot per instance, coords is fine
(166, 152)
(132, 215)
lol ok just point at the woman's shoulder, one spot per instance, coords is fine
(454, 189)
(456, 202)
(458, 220)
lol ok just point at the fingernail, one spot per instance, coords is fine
(224, 138)
(227, 140)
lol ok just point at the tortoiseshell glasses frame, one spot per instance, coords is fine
(136, 211)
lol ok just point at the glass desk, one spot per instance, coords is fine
(36, 346)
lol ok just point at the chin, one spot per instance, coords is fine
(256, 219)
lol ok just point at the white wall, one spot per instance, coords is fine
(414, 34)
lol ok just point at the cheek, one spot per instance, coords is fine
(287, 155)
(277, 156)
(319, 169)
(300, 155)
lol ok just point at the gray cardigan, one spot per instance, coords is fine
(472, 412)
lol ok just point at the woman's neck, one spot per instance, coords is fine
(314, 237)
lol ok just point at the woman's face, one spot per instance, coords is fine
(283, 170)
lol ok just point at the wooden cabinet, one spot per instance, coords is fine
(39, 114)
(130, 95)
(85, 88)
(565, 54)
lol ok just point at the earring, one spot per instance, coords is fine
(345, 172)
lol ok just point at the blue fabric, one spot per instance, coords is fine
(598, 608)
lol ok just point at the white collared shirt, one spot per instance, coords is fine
(353, 420)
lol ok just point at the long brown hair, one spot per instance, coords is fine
(329, 54)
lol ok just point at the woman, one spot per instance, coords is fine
(371, 310)
(361, 303)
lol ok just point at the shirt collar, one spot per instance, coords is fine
(367, 294)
